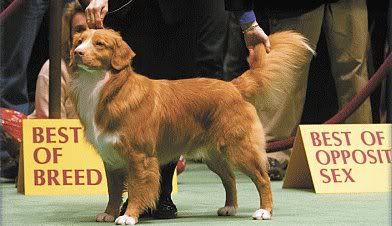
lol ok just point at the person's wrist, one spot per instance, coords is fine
(249, 27)
(245, 26)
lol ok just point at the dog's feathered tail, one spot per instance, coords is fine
(271, 75)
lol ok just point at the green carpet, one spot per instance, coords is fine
(200, 195)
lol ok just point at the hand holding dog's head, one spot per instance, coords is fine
(101, 49)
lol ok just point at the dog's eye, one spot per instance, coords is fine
(79, 42)
(100, 44)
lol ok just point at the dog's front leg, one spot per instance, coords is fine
(115, 182)
(143, 186)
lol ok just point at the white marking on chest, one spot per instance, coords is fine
(89, 88)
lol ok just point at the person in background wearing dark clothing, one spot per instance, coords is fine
(344, 24)
(142, 26)
(235, 64)
(172, 40)
(196, 28)
(18, 32)
(253, 33)
(19, 28)
(73, 21)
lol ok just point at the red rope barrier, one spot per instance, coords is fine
(347, 110)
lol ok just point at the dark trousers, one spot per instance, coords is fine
(235, 60)
(210, 28)
(18, 32)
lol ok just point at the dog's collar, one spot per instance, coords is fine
(88, 69)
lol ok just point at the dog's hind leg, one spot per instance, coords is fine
(115, 182)
(143, 186)
(250, 160)
(220, 166)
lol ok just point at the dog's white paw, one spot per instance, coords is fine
(227, 211)
(262, 214)
(104, 217)
(126, 220)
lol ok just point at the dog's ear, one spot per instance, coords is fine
(122, 55)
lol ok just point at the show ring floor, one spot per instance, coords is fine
(200, 195)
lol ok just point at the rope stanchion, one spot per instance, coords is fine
(56, 10)
(347, 109)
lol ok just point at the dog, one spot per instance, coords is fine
(136, 124)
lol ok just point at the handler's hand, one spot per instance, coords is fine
(256, 35)
(251, 58)
(96, 12)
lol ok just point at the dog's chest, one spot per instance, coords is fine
(89, 89)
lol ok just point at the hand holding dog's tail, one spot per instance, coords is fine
(271, 75)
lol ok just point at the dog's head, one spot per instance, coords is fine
(102, 49)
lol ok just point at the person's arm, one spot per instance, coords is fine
(42, 93)
(253, 33)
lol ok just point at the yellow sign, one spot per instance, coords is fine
(345, 158)
(57, 160)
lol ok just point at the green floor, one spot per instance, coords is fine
(200, 194)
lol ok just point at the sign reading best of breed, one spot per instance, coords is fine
(346, 158)
(57, 160)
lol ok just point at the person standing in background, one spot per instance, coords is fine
(172, 40)
(345, 26)
(344, 23)
(73, 22)
(18, 32)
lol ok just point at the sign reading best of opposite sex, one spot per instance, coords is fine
(57, 160)
(344, 158)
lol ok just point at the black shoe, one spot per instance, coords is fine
(9, 169)
(165, 210)
(277, 170)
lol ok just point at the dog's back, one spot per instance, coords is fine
(195, 112)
